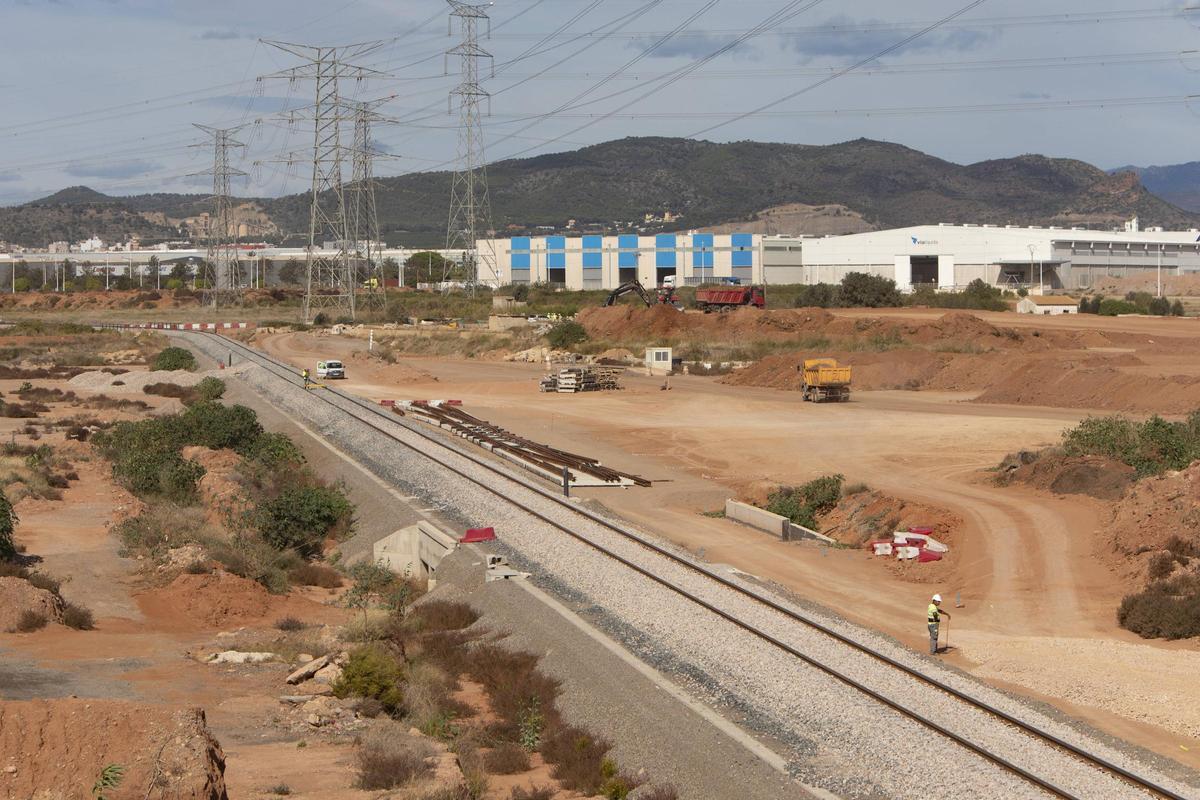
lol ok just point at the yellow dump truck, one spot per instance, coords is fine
(822, 379)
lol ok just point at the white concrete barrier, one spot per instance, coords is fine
(774, 524)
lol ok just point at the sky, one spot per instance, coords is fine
(104, 93)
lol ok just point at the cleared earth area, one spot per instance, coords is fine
(1032, 569)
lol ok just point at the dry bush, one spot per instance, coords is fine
(316, 575)
(507, 759)
(440, 615)
(663, 792)
(43, 581)
(290, 624)
(1161, 565)
(532, 793)
(77, 617)
(428, 704)
(577, 756)
(390, 757)
(186, 394)
(31, 621)
(513, 684)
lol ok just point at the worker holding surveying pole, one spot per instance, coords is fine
(933, 616)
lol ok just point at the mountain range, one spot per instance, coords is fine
(1178, 183)
(653, 184)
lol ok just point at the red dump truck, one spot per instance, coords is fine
(726, 298)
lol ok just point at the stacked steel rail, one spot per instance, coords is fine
(337, 399)
(570, 380)
(497, 439)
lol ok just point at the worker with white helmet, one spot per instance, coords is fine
(933, 616)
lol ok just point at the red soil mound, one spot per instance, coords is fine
(1152, 512)
(17, 596)
(214, 600)
(57, 748)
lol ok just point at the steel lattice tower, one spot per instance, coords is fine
(330, 282)
(223, 273)
(470, 206)
(364, 218)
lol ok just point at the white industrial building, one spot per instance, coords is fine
(943, 257)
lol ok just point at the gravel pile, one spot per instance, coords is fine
(840, 739)
(134, 382)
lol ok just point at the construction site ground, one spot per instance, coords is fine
(1037, 600)
(149, 646)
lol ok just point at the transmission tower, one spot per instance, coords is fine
(223, 273)
(364, 219)
(330, 280)
(470, 207)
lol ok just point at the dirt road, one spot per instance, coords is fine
(1026, 573)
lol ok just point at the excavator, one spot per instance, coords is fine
(665, 296)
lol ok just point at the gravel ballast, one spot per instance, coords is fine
(839, 738)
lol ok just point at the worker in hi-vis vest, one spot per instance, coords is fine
(933, 616)
(304, 374)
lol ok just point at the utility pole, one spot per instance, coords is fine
(470, 206)
(223, 278)
(329, 282)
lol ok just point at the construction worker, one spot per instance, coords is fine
(304, 374)
(933, 616)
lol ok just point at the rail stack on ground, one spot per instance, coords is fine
(569, 380)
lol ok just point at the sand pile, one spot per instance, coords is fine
(17, 596)
(89, 301)
(1093, 382)
(135, 382)
(57, 748)
(665, 322)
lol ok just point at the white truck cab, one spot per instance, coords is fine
(330, 369)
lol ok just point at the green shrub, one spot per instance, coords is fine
(1177, 308)
(273, 450)
(817, 295)
(1112, 308)
(173, 358)
(8, 524)
(372, 671)
(870, 291)
(301, 517)
(1159, 306)
(566, 334)
(802, 505)
(210, 388)
(217, 426)
(1150, 447)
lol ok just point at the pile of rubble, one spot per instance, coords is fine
(916, 543)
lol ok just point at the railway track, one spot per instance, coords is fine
(448, 457)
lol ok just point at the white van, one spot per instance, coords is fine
(330, 369)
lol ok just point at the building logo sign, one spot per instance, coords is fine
(915, 240)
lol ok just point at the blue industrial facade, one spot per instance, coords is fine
(595, 261)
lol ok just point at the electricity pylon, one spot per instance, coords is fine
(470, 206)
(330, 281)
(223, 273)
(364, 218)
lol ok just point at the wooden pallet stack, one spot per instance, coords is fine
(570, 380)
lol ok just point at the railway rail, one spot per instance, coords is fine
(380, 421)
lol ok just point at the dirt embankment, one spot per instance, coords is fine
(1055, 471)
(50, 749)
(1151, 513)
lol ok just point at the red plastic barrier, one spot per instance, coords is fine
(479, 535)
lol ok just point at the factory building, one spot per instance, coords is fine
(605, 262)
(945, 257)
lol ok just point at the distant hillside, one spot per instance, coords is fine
(1177, 183)
(612, 186)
